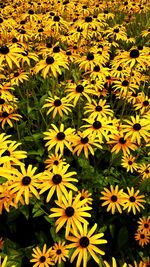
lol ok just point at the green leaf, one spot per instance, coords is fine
(25, 211)
(37, 211)
(122, 239)
(2, 180)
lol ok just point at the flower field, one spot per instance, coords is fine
(74, 133)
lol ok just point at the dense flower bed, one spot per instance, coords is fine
(74, 133)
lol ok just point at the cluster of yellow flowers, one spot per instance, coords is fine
(95, 62)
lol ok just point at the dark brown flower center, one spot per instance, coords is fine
(119, 68)
(42, 259)
(26, 180)
(116, 30)
(49, 60)
(82, 198)
(130, 162)
(40, 30)
(57, 103)
(14, 40)
(132, 199)
(56, 49)
(97, 125)
(137, 127)
(98, 108)
(142, 236)
(90, 56)
(84, 242)
(84, 140)
(122, 140)
(145, 103)
(56, 18)
(2, 101)
(114, 198)
(58, 251)
(57, 178)
(4, 50)
(125, 83)
(56, 162)
(88, 19)
(69, 211)
(48, 45)
(16, 74)
(134, 53)
(5, 114)
(96, 68)
(79, 88)
(146, 225)
(60, 136)
(30, 12)
(147, 171)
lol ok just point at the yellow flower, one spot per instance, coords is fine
(59, 252)
(114, 263)
(4, 263)
(129, 163)
(54, 159)
(99, 128)
(42, 258)
(98, 110)
(132, 200)
(137, 128)
(57, 105)
(70, 212)
(84, 242)
(85, 143)
(57, 180)
(144, 225)
(9, 55)
(59, 138)
(142, 238)
(51, 65)
(23, 183)
(113, 198)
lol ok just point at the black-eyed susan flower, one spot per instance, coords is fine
(99, 128)
(7, 199)
(133, 201)
(137, 129)
(132, 57)
(59, 252)
(8, 54)
(18, 77)
(113, 198)
(42, 258)
(114, 263)
(6, 117)
(23, 183)
(120, 143)
(57, 180)
(98, 109)
(4, 262)
(59, 138)
(51, 65)
(85, 194)
(144, 170)
(85, 143)
(129, 162)
(14, 155)
(87, 62)
(142, 238)
(75, 91)
(144, 224)
(54, 159)
(85, 243)
(142, 104)
(57, 106)
(70, 212)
